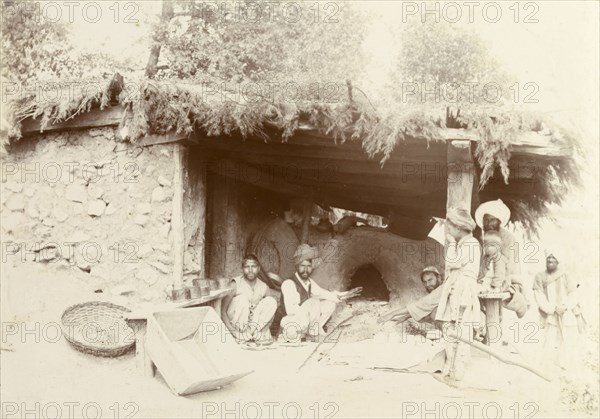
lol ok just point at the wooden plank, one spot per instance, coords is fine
(177, 222)
(225, 227)
(460, 188)
(527, 143)
(327, 150)
(154, 139)
(142, 314)
(201, 234)
(334, 173)
(94, 118)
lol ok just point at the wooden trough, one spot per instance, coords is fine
(193, 350)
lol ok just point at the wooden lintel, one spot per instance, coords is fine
(155, 139)
(526, 143)
(96, 117)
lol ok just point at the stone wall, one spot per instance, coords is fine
(82, 203)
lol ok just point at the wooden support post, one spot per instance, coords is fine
(143, 363)
(226, 233)
(461, 175)
(201, 234)
(306, 221)
(179, 153)
(460, 188)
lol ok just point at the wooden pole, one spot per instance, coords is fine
(460, 188)
(179, 153)
(461, 175)
(499, 355)
(201, 233)
(306, 221)
(331, 332)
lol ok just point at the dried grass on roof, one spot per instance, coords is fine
(152, 107)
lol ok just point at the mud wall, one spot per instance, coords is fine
(399, 260)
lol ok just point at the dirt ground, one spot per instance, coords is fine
(48, 378)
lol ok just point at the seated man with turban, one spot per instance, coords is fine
(305, 307)
(425, 307)
(248, 311)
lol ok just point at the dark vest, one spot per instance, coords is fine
(281, 312)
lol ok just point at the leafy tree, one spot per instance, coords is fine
(32, 47)
(257, 41)
(35, 48)
(449, 59)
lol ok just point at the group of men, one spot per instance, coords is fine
(452, 302)
(252, 314)
(255, 317)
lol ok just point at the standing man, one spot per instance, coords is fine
(459, 305)
(305, 307)
(558, 304)
(248, 311)
(425, 307)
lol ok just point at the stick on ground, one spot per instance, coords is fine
(324, 340)
(500, 356)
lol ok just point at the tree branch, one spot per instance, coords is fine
(165, 18)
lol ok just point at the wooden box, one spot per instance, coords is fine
(193, 350)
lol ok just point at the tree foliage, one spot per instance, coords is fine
(36, 48)
(263, 41)
(32, 47)
(442, 52)
(450, 68)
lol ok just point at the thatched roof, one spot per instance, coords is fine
(522, 158)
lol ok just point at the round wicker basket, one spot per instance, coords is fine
(98, 328)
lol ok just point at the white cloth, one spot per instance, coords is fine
(254, 293)
(291, 298)
(496, 209)
(308, 320)
(251, 310)
(460, 287)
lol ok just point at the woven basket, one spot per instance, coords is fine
(98, 328)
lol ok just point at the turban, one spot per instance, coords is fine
(304, 252)
(496, 209)
(461, 218)
(552, 253)
(431, 269)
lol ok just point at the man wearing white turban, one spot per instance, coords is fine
(305, 307)
(493, 216)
